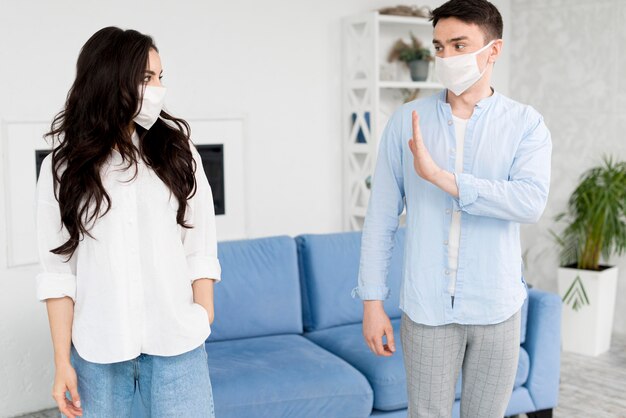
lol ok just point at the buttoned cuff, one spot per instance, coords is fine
(204, 267)
(56, 285)
(371, 292)
(468, 191)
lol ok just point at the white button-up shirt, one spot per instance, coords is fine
(131, 282)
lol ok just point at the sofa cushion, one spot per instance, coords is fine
(385, 374)
(329, 268)
(284, 376)
(260, 290)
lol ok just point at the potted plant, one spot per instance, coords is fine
(414, 54)
(596, 227)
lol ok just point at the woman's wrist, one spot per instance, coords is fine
(61, 360)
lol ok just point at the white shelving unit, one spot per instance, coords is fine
(372, 90)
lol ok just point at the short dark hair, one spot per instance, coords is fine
(480, 12)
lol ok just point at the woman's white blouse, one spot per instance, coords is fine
(131, 282)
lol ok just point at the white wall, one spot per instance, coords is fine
(279, 61)
(275, 62)
(582, 97)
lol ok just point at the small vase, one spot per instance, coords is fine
(419, 70)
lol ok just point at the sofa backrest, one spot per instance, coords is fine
(329, 267)
(260, 290)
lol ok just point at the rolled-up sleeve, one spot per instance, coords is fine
(521, 198)
(57, 277)
(200, 242)
(383, 214)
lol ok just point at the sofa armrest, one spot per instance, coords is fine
(543, 344)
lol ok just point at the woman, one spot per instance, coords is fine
(127, 242)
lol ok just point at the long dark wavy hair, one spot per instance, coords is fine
(98, 116)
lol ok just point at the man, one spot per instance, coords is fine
(477, 165)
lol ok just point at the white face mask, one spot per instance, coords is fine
(459, 73)
(151, 106)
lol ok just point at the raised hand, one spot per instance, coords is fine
(423, 163)
(425, 166)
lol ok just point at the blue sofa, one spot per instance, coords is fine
(287, 339)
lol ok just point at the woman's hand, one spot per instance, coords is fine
(65, 380)
(203, 295)
(209, 312)
(61, 317)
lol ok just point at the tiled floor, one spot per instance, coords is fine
(591, 387)
(594, 386)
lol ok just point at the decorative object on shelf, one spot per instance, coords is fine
(596, 226)
(414, 54)
(409, 95)
(360, 136)
(412, 11)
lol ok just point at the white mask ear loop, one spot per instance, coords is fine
(481, 50)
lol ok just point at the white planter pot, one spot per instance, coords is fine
(588, 308)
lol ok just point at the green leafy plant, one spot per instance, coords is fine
(595, 217)
(408, 52)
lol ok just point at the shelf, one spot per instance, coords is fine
(358, 84)
(409, 85)
(406, 20)
(366, 97)
(360, 148)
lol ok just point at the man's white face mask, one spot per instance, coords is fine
(151, 106)
(460, 72)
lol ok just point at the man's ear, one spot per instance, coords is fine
(496, 50)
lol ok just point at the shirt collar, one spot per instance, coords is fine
(483, 103)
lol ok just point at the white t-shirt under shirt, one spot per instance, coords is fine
(455, 227)
(131, 283)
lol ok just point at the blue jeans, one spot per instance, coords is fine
(173, 386)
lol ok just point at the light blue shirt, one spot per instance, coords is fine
(505, 182)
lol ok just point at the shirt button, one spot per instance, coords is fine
(447, 272)
(450, 122)
(445, 242)
(447, 211)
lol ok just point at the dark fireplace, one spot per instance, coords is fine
(212, 161)
(39, 157)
